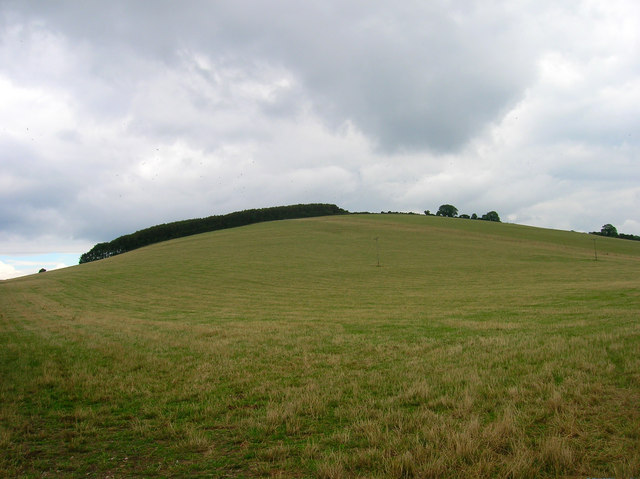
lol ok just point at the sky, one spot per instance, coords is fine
(119, 115)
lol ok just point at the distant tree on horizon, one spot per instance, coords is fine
(491, 216)
(449, 211)
(609, 230)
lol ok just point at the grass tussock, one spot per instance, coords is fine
(282, 350)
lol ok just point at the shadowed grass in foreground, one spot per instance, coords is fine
(280, 349)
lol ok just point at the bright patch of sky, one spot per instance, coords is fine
(12, 266)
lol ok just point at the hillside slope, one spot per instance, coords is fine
(475, 349)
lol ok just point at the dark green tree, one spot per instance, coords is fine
(447, 210)
(609, 230)
(491, 216)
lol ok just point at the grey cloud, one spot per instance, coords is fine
(409, 76)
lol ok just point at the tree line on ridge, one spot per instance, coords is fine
(451, 211)
(178, 229)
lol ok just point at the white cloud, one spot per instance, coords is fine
(8, 271)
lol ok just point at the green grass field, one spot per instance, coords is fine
(281, 349)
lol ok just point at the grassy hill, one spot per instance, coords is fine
(282, 350)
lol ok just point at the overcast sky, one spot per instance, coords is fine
(118, 115)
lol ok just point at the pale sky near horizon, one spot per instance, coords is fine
(119, 115)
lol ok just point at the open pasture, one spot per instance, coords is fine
(281, 349)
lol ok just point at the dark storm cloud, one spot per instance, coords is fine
(409, 76)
